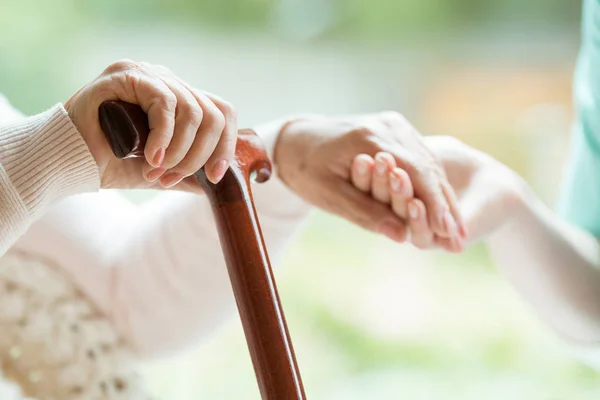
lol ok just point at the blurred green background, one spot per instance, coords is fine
(370, 319)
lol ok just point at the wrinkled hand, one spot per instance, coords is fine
(488, 191)
(189, 128)
(314, 158)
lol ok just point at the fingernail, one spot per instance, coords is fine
(394, 183)
(154, 174)
(413, 211)
(171, 179)
(392, 230)
(380, 167)
(361, 167)
(450, 225)
(159, 157)
(218, 171)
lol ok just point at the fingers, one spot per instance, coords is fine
(427, 180)
(188, 116)
(427, 188)
(354, 205)
(415, 212)
(361, 173)
(189, 129)
(421, 235)
(212, 143)
(401, 192)
(133, 84)
(204, 141)
(384, 163)
(393, 186)
(454, 210)
(398, 190)
(221, 157)
(378, 178)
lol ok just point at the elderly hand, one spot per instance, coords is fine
(489, 193)
(189, 128)
(314, 157)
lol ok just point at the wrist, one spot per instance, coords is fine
(520, 202)
(85, 120)
(46, 159)
(283, 140)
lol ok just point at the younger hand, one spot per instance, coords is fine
(380, 178)
(189, 128)
(488, 191)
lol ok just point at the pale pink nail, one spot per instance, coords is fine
(158, 158)
(219, 170)
(154, 174)
(171, 179)
(380, 167)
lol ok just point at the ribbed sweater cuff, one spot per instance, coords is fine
(45, 159)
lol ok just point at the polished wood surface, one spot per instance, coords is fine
(126, 129)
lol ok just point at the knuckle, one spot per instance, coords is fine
(365, 137)
(192, 114)
(168, 100)
(361, 132)
(128, 78)
(121, 65)
(229, 143)
(195, 116)
(228, 110)
(217, 122)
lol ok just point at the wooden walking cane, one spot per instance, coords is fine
(125, 126)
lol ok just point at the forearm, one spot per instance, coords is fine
(554, 265)
(157, 270)
(170, 282)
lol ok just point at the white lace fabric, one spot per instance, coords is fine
(54, 344)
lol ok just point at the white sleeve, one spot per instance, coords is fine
(156, 270)
(43, 159)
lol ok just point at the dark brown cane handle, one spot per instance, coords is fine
(126, 129)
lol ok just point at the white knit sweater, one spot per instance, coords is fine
(89, 282)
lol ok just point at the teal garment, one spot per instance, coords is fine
(580, 194)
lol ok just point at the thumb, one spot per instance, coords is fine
(361, 209)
